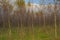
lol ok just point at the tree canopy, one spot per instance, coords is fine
(20, 3)
(29, 3)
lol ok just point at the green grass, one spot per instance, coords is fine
(27, 33)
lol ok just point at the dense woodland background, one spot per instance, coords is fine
(8, 16)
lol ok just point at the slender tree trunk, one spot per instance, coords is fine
(32, 28)
(3, 19)
(55, 23)
(55, 19)
(32, 24)
(9, 25)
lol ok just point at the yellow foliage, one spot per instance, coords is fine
(20, 3)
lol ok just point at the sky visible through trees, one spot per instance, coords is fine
(40, 1)
(37, 1)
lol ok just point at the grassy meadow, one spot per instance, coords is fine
(29, 33)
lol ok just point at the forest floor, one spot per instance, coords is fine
(29, 33)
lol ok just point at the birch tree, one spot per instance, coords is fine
(55, 19)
